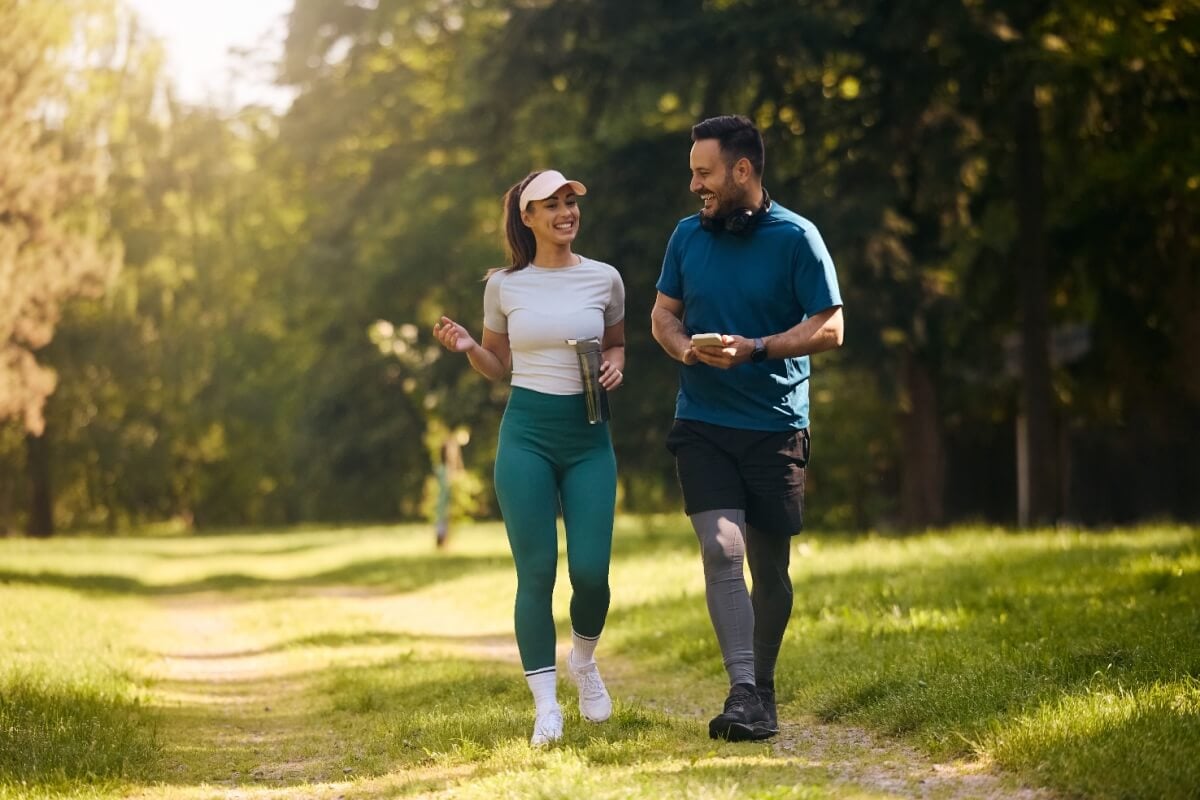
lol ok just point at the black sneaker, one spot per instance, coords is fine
(743, 718)
(766, 696)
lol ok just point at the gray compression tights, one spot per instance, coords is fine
(749, 625)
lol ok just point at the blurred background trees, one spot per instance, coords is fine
(1011, 193)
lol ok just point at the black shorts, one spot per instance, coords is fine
(761, 472)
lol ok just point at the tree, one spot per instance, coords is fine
(50, 245)
(949, 153)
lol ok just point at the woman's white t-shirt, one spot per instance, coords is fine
(540, 308)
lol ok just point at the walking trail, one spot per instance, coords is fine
(238, 729)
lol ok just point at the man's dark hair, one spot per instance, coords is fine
(737, 138)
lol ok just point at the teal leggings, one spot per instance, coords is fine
(549, 455)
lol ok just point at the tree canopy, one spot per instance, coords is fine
(1011, 195)
(52, 245)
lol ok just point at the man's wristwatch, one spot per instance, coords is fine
(760, 351)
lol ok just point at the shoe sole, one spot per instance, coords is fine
(737, 732)
(766, 731)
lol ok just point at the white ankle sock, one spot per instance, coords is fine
(584, 648)
(544, 685)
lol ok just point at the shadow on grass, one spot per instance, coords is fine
(323, 640)
(463, 712)
(385, 575)
(231, 733)
(458, 643)
(262, 728)
(50, 735)
(391, 574)
(412, 710)
(738, 778)
(948, 648)
(247, 549)
(662, 773)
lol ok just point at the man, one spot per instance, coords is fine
(759, 275)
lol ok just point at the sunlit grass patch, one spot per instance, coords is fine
(96, 789)
(416, 710)
(400, 558)
(70, 705)
(56, 734)
(362, 662)
(1110, 743)
(564, 772)
(1036, 618)
(948, 638)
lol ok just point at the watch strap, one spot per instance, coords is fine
(760, 350)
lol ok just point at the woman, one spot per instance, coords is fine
(548, 455)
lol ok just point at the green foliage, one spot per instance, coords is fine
(228, 376)
(52, 243)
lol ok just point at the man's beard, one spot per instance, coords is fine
(728, 200)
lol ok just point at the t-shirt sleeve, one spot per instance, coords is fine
(814, 278)
(670, 280)
(614, 310)
(494, 317)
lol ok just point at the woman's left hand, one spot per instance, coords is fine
(610, 376)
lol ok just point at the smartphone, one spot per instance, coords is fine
(707, 340)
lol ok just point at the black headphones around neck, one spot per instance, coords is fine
(740, 221)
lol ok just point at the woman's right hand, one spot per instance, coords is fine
(454, 337)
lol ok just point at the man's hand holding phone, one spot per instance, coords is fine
(718, 350)
(708, 340)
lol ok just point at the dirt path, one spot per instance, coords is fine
(233, 708)
(857, 759)
(236, 721)
(862, 759)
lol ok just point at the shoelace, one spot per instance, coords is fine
(548, 724)
(737, 700)
(590, 684)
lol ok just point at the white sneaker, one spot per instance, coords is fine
(594, 703)
(547, 727)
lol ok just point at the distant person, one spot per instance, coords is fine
(758, 275)
(448, 467)
(548, 455)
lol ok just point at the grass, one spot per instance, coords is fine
(360, 663)
(71, 707)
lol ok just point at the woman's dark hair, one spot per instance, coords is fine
(518, 238)
(737, 137)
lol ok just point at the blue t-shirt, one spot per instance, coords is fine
(755, 285)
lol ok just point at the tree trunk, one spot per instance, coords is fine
(923, 463)
(1183, 299)
(1036, 391)
(41, 503)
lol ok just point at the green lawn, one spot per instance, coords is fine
(361, 663)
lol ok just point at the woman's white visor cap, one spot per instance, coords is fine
(546, 184)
